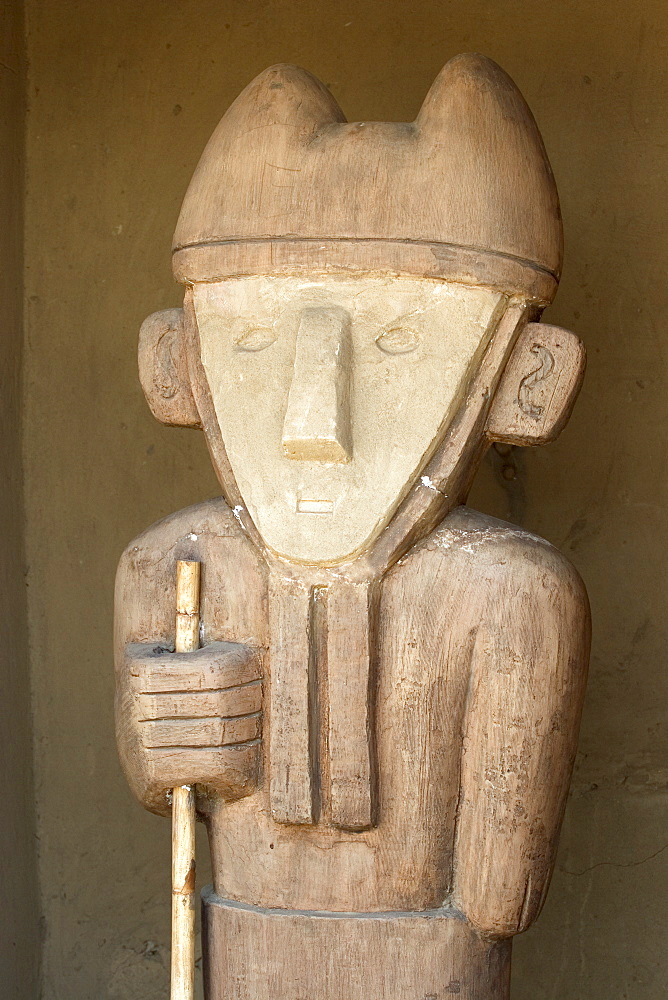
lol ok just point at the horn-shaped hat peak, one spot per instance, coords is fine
(286, 174)
(282, 95)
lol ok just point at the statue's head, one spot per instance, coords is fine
(360, 298)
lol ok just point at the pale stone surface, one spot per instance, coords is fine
(336, 373)
(317, 418)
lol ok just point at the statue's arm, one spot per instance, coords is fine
(181, 718)
(529, 663)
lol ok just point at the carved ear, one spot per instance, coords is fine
(539, 386)
(163, 369)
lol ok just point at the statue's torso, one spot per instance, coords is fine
(461, 752)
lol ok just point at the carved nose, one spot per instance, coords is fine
(317, 419)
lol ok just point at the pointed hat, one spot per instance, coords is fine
(465, 192)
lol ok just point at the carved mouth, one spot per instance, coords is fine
(315, 506)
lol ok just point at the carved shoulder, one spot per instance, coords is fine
(183, 529)
(487, 546)
(233, 577)
(482, 576)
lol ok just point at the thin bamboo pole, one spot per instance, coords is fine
(183, 807)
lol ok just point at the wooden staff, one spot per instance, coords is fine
(183, 807)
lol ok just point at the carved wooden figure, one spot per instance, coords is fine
(382, 716)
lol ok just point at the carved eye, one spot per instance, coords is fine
(397, 340)
(255, 338)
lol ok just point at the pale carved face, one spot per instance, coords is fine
(331, 395)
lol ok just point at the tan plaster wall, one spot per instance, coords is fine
(122, 98)
(19, 938)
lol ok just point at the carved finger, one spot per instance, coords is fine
(211, 668)
(200, 732)
(202, 704)
(232, 770)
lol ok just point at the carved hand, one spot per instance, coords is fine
(195, 718)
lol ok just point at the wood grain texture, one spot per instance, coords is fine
(351, 622)
(163, 369)
(481, 658)
(462, 579)
(186, 633)
(186, 640)
(221, 666)
(539, 386)
(182, 974)
(384, 957)
(462, 265)
(275, 168)
(220, 680)
(436, 609)
(382, 720)
(196, 704)
(290, 772)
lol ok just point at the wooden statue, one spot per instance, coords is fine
(381, 719)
